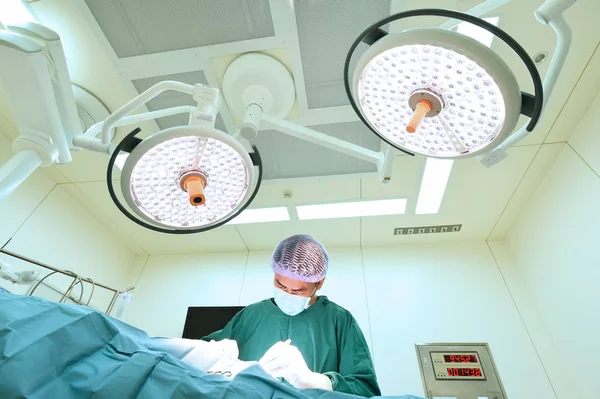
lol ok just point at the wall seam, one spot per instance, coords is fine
(142, 271)
(242, 238)
(514, 192)
(243, 278)
(362, 262)
(30, 215)
(583, 159)
(537, 353)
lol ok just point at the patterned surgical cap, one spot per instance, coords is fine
(300, 257)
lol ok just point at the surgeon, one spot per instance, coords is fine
(306, 339)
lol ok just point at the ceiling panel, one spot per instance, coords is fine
(334, 233)
(475, 197)
(406, 180)
(223, 239)
(314, 190)
(586, 140)
(581, 98)
(6, 114)
(326, 29)
(171, 98)
(138, 27)
(537, 170)
(285, 156)
(331, 233)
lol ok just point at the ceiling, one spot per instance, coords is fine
(118, 48)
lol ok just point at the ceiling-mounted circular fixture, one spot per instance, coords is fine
(256, 84)
(256, 78)
(89, 108)
(437, 92)
(185, 179)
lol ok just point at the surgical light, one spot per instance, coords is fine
(444, 94)
(187, 177)
(184, 179)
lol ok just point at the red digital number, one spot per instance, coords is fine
(452, 358)
(474, 359)
(477, 373)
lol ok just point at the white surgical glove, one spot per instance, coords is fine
(204, 355)
(285, 361)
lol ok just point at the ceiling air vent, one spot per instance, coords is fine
(447, 228)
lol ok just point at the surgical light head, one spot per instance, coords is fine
(184, 179)
(300, 257)
(439, 93)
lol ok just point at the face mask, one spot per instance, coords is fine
(291, 304)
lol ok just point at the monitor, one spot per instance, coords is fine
(204, 320)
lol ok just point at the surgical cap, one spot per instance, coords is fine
(300, 257)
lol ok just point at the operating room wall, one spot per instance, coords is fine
(551, 261)
(43, 221)
(399, 295)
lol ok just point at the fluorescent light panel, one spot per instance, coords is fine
(478, 33)
(352, 209)
(15, 11)
(262, 215)
(433, 185)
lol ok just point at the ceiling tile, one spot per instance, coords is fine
(335, 233)
(137, 27)
(285, 156)
(542, 162)
(406, 180)
(326, 29)
(586, 140)
(475, 197)
(331, 233)
(85, 166)
(314, 190)
(7, 118)
(54, 173)
(580, 100)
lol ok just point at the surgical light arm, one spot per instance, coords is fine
(35, 76)
(549, 13)
(89, 140)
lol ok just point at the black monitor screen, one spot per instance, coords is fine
(204, 320)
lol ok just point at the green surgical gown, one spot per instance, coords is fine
(328, 336)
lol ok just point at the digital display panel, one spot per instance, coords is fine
(457, 366)
(461, 358)
(464, 372)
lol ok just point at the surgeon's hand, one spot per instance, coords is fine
(285, 361)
